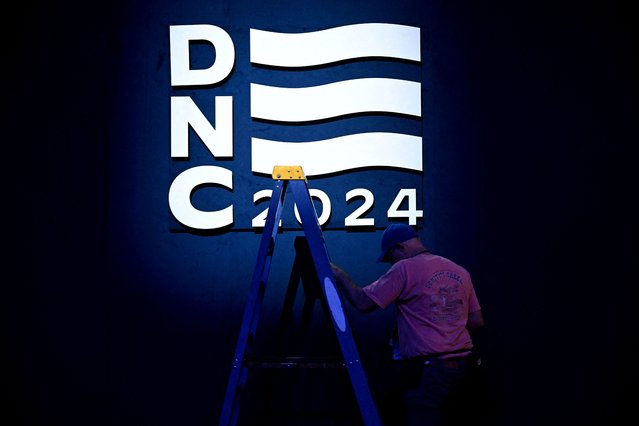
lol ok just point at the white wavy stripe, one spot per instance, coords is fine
(340, 153)
(335, 99)
(335, 44)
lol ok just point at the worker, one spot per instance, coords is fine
(437, 311)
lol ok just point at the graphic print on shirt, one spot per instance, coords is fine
(446, 297)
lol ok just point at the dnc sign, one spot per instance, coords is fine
(345, 103)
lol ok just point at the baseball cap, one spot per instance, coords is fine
(394, 234)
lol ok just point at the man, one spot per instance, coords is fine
(437, 310)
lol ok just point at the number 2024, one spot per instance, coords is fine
(357, 217)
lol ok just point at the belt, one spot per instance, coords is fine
(448, 362)
(430, 360)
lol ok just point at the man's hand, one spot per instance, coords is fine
(355, 295)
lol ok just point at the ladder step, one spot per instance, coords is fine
(296, 362)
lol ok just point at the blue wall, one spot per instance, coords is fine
(117, 315)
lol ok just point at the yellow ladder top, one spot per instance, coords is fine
(288, 173)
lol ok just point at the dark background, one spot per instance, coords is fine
(536, 194)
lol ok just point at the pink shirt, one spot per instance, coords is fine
(433, 297)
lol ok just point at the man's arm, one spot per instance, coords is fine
(352, 291)
(475, 321)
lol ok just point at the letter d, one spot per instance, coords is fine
(181, 36)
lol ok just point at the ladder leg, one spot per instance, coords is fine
(239, 373)
(317, 246)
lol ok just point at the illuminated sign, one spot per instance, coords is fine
(295, 111)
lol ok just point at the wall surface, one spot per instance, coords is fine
(115, 313)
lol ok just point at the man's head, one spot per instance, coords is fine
(393, 237)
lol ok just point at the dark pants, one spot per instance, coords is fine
(436, 391)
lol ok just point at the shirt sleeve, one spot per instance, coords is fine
(473, 302)
(387, 288)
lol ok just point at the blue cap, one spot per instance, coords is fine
(394, 234)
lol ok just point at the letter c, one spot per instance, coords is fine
(180, 197)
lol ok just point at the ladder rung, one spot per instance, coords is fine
(295, 363)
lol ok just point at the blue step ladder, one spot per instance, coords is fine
(294, 177)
